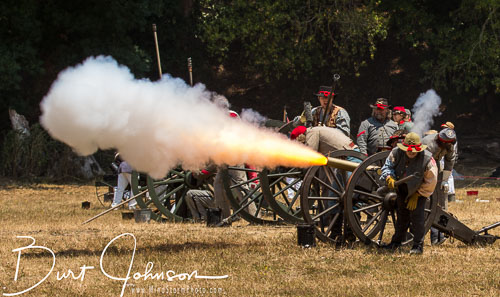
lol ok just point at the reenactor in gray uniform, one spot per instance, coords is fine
(408, 158)
(441, 145)
(375, 131)
(399, 116)
(336, 116)
(451, 181)
(326, 140)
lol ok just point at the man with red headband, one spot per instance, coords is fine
(336, 116)
(408, 158)
(375, 131)
(442, 146)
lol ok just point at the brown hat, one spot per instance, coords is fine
(412, 142)
(448, 125)
(381, 103)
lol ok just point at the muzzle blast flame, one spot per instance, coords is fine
(157, 125)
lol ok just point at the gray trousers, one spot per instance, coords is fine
(198, 201)
(124, 179)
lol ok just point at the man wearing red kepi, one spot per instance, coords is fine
(442, 145)
(375, 131)
(400, 117)
(451, 181)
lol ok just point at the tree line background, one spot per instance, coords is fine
(263, 55)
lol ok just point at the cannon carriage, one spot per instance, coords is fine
(341, 199)
(166, 196)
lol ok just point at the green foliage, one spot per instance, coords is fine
(292, 37)
(459, 40)
(41, 38)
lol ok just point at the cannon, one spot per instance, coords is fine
(344, 201)
(165, 197)
(341, 199)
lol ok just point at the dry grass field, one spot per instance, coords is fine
(258, 260)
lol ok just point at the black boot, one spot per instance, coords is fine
(417, 249)
(391, 246)
(441, 239)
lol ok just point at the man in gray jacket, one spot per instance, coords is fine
(441, 145)
(375, 131)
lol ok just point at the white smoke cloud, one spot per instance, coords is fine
(251, 116)
(424, 111)
(156, 125)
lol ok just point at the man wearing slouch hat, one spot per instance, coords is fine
(408, 158)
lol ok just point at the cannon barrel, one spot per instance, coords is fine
(346, 165)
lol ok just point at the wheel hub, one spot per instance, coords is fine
(389, 201)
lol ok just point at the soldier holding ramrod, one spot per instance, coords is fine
(326, 114)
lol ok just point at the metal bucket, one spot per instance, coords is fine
(127, 215)
(142, 215)
(85, 204)
(306, 236)
(214, 216)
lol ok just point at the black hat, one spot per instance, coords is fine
(324, 91)
(381, 103)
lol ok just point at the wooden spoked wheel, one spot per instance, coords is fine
(246, 196)
(372, 215)
(166, 197)
(281, 190)
(322, 198)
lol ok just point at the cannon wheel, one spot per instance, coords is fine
(263, 214)
(143, 201)
(314, 197)
(281, 189)
(371, 215)
(165, 196)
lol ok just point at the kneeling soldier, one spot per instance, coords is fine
(408, 158)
